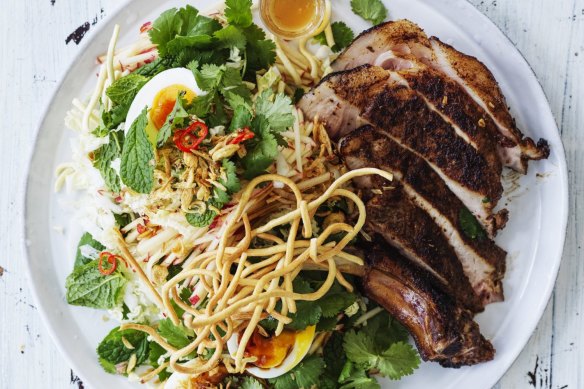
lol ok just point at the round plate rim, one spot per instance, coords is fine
(95, 33)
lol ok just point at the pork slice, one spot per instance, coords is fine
(402, 45)
(443, 330)
(483, 262)
(400, 112)
(393, 217)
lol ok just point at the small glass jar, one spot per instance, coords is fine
(291, 19)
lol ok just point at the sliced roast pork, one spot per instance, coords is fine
(402, 45)
(483, 262)
(443, 330)
(371, 95)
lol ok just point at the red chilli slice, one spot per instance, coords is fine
(189, 139)
(112, 259)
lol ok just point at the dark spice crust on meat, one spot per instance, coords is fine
(444, 332)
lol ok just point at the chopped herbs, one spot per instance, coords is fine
(113, 350)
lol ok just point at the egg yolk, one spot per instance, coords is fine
(270, 352)
(164, 102)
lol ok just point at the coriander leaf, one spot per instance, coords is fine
(177, 336)
(231, 181)
(122, 219)
(334, 355)
(174, 120)
(165, 28)
(235, 101)
(124, 89)
(308, 313)
(115, 116)
(469, 225)
(209, 76)
(334, 303)
(87, 287)
(342, 35)
(241, 118)
(137, 171)
(238, 12)
(358, 379)
(262, 151)
(303, 376)
(201, 105)
(360, 348)
(385, 330)
(230, 37)
(400, 360)
(181, 43)
(113, 351)
(250, 383)
(105, 155)
(87, 243)
(260, 52)
(371, 10)
(278, 112)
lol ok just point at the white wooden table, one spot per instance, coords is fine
(33, 55)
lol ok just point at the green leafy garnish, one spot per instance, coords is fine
(250, 383)
(112, 350)
(177, 336)
(137, 170)
(273, 114)
(105, 155)
(176, 119)
(470, 225)
(238, 12)
(399, 360)
(87, 287)
(342, 34)
(220, 197)
(86, 240)
(306, 374)
(124, 90)
(371, 10)
(354, 377)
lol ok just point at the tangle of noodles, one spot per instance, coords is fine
(234, 285)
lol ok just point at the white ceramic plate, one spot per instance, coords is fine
(534, 236)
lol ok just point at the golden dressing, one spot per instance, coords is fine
(293, 15)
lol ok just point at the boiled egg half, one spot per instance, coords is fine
(159, 95)
(275, 355)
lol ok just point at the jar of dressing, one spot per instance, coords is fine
(292, 18)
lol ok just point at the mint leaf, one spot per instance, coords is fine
(105, 155)
(137, 170)
(87, 287)
(112, 350)
(371, 10)
(342, 34)
(238, 12)
(86, 240)
(124, 90)
(177, 336)
(306, 374)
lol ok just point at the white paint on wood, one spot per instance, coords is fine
(33, 55)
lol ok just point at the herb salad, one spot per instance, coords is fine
(191, 147)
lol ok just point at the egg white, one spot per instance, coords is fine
(302, 344)
(146, 95)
